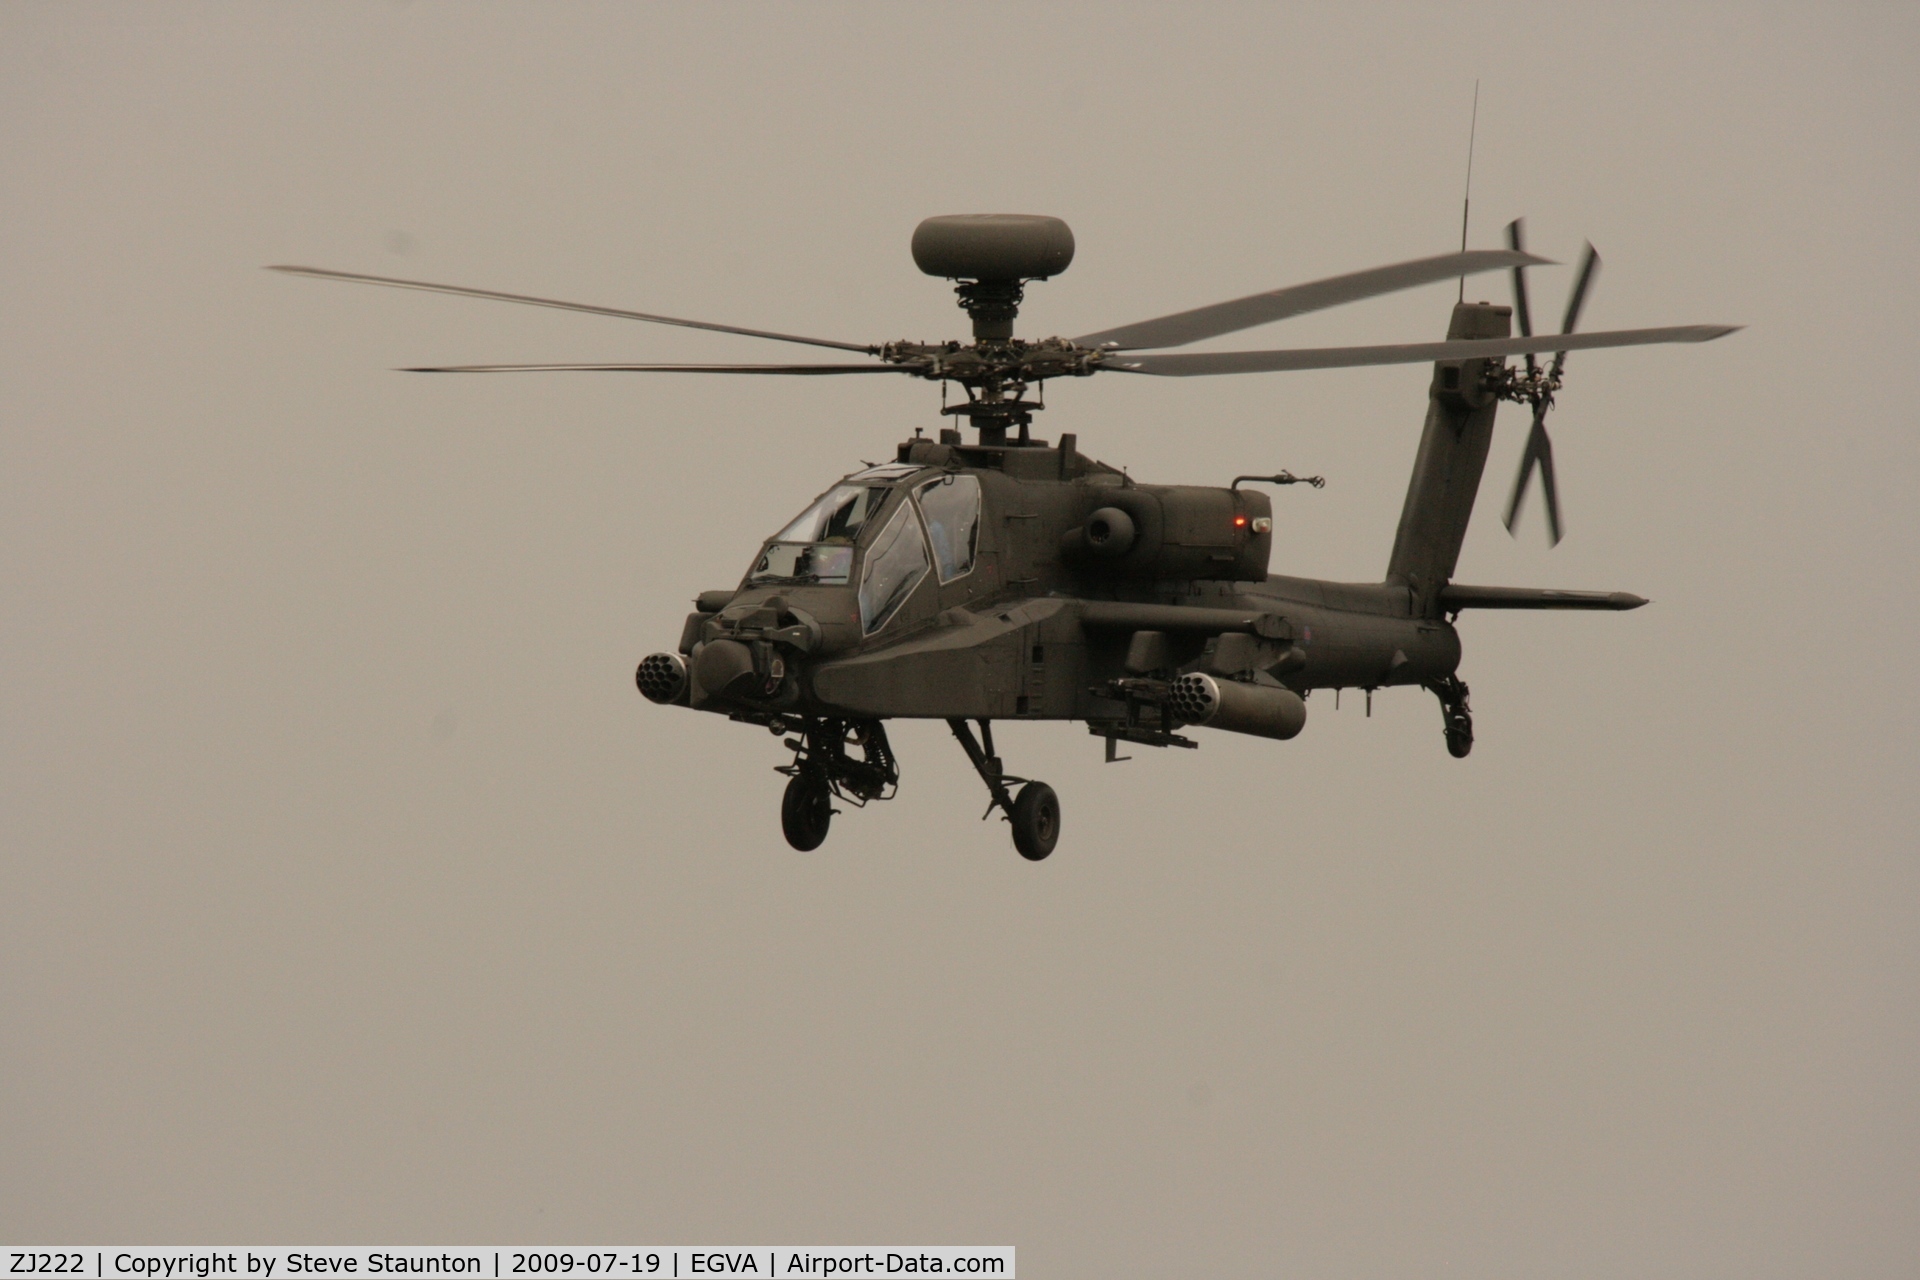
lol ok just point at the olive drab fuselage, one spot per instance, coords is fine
(1041, 624)
(1018, 580)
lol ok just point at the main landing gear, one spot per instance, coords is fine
(1458, 716)
(822, 769)
(1034, 812)
(806, 811)
(825, 769)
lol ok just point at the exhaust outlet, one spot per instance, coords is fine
(1261, 710)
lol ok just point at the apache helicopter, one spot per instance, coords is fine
(1010, 578)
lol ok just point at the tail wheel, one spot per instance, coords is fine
(1036, 821)
(1455, 715)
(806, 811)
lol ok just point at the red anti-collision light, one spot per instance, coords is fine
(1239, 522)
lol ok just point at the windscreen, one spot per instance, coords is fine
(818, 545)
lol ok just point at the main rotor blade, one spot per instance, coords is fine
(1539, 453)
(1522, 314)
(1589, 264)
(661, 368)
(1210, 362)
(319, 273)
(1277, 304)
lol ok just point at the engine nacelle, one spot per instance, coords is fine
(1262, 710)
(1107, 534)
(1176, 531)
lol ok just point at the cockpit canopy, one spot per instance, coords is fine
(951, 508)
(817, 547)
(939, 532)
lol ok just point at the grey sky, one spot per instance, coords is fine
(351, 893)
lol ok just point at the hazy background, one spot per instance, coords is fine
(350, 892)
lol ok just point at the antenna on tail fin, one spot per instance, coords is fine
(1466, 201)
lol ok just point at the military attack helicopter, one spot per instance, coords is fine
(1011, 578)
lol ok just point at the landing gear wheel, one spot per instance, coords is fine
(1455, 714)
(806, 811)
(1036, 821)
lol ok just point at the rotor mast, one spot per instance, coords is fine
(993, 305)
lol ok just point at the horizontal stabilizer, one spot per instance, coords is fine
(1463, 597)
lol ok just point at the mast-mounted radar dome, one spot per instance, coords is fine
(992, 255)
(993, 246)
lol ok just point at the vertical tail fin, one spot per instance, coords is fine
(1446, 471)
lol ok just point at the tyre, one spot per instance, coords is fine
(1036, 821)
(806, 811)
(1459, 740)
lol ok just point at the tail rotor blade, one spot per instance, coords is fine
(1589, 267)
(1539, 450)
(1519, 495)
(1549, 489)
(1538, 453)
(1516, 234)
